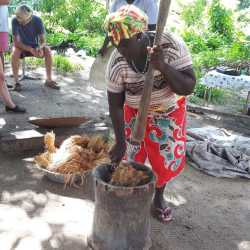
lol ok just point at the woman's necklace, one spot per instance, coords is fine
(147, 60)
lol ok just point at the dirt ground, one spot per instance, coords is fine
(37, 214)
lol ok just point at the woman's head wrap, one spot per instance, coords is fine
(125, 23)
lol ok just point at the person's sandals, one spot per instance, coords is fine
(162, 215)
(17, 87)
(9, 86)
(52, 84)
(17, 109)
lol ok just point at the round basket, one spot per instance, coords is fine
(60, 178)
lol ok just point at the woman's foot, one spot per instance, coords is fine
(164, 215)
(160, 209)
(16, 109)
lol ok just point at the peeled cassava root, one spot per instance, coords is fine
(76, 155)
(127, 176)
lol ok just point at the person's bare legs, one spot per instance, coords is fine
(48, 63)
(4, 92)
(160, 209)
(159, 201)
(15, 63)
(2, 59)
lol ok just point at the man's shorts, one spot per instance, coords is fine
(4, 41)
(26, 54)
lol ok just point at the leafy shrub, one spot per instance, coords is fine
(75, 15)
(220, 20)
(244, 16)
(239, 50)
(209, 59)
(195, 41)
(199, 90)
(214, 40)
(192, 12)
(91, 43)
(217, 95)
(78, 21)
(56, 38)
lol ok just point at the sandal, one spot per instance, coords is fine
(52, 84)
(17, 87)
(17, 109)
(9, 86)
(163, 215)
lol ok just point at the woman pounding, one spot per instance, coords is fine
(164, 143)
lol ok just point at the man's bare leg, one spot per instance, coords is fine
(2, 59)
(48, 64)
(15, 63)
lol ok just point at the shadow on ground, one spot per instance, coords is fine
(210, 213)
(76, 98)
(39, 214)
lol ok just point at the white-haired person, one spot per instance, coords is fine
(29, 40)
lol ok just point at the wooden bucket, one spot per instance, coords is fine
(122, 214)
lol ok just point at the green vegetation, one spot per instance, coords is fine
(213, 33)
(214, 40)
(77, 21)
(244, 4)
(61, 63)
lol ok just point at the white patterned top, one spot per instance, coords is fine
(121, 77)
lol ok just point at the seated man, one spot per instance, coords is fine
(10, 106)
(29, 40)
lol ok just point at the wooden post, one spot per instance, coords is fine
(141, 119)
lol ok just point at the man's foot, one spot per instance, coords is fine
(17, 109)
(52, 84)
(17, 87)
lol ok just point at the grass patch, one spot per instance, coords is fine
(219, 97)
(60, 63)
(63, 64)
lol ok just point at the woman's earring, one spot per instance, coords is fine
(139, 36)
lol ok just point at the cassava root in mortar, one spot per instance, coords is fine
(126, 175)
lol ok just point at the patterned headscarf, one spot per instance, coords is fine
(125, 23)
